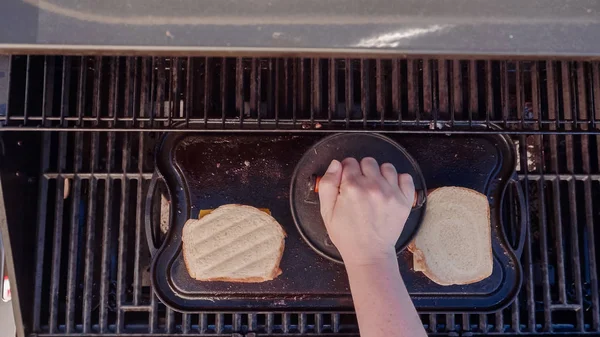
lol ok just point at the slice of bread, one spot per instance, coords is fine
(454, 244)
(234, 243)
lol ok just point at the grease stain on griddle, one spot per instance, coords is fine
(235, 161)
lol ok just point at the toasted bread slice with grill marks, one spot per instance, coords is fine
(233, 243)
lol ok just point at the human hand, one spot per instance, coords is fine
(364, 207)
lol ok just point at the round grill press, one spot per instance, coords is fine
(304, 201)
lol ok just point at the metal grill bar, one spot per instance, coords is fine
(239, 92)
(443, 89)
(223, 90)
(106, 242)
(295, 89)
(285, 127)
(131, 85)
(256, 80)
(97, 84)
(581, 124)
(80, 91)
(387, 122)
(489, 91)
(202, 323)
(271, 89)
(349, 87)
(569, 103)
(185, 323)
(26, 93)
(364, 90)
(413, 90)
(544, 247)
(584, 114)
(41, 232)
(277, 95)
(8, 90)
(135, 308)
(90, 235)
(58, 230)
(159, 103)
(396, 89)
(473, 89)
(535, 107)
(144, 91)
(207, 90)
(428, 90)
(315, 93)
(137, 288)
(124, 212)
(73, 256)
(379, 87)
(65, 92)
(188, 92)
(527, 252)
(153, 312)
(558, 232)
(47, 82)
(299, 81)
(457, 98)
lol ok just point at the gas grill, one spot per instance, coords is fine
(79, 135)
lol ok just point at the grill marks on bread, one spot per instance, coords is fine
(235, 243)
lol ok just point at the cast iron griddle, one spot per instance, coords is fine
(206, 171)
(304, 201)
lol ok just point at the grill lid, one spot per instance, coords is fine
(460, 27)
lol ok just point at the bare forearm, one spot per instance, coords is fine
(382, 303)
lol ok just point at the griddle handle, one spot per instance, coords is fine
(419, 200)
(148, 221)
(522, 215)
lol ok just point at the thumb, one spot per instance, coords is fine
(329, 189)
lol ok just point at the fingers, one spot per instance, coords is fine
(388, 171)
(351, 168)
(369, 167)
(329, 189)
(405, 181)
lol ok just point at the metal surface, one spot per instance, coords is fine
(463, 27)
(304, 202)
(546, 106)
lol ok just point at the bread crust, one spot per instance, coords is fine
(420, 261)
(272, 275)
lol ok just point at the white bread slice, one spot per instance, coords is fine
(234, 243)
(454, 244)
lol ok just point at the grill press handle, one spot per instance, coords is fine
(418, 201)
(522, 214)
(148, 221)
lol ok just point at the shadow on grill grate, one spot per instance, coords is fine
(92, 260)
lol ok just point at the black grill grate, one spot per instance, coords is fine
(91, 266)
(398, 95)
